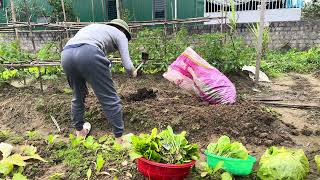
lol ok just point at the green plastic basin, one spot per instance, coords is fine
(234, 166)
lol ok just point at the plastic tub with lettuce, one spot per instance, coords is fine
(234, 156)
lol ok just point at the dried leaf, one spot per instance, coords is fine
(5, 149)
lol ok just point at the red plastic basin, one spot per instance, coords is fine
(160, 171)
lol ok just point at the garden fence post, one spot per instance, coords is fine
(260, 39)
(64, 17)
(118, 9)
(92, 10)
(14, 19)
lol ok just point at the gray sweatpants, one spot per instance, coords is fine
(87, 63)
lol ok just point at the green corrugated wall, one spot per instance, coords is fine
(139, 10)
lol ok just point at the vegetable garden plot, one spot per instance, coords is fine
(244, 121)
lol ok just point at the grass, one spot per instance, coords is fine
(6, 135)
(277, 63)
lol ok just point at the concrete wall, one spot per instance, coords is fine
(298, 34)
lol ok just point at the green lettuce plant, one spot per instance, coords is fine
(281, 163)
(165, 147)
(225, 148)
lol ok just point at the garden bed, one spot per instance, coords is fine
(158, 103)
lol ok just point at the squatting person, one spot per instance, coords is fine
(84, 60)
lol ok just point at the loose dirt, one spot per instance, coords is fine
(152, 101)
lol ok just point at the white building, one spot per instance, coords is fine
(247, 10)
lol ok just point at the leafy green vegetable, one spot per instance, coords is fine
(90, 143)
(165, 147)
(100, 162)
(89, 173)
(225, 148)
(283, 163)
(9, 161)
(19, 176)
(75, 141)
(5, 167)
(317, 160)
(206, 170)
(226, 176)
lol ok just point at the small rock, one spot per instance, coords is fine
(317, 133)
(124, 163)
(263, 135)
(268, 142)
(294, 132)
(306, 131)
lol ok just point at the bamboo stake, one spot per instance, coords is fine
(63, 11)
(33, 43)
(103, 10)
(14, 19)
(64, 17)
(118, 9)
(92, 10)
(260, 39)
(7, 16)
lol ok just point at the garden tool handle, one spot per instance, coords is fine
(145, 57)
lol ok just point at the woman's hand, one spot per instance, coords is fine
(133, 72)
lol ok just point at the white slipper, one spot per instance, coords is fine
(87, 126)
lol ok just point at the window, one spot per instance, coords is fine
(112, 9)
(159, 9)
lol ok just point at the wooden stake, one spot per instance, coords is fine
(92, 9)
(260, 39)
(103, 10)
(7, 16)
(118, 9)
(14, 19)
(33, 43)
(63, 11)
(64, 17)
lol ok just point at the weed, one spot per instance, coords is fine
(67, 90)
(4, 135)
(56, 176)
(51, 138)
(33, 135)
(71, 157)
(15, 139)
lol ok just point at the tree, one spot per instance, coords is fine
(311, 10)
(35, 8)
(57, 12)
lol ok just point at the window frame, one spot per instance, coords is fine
(154, 12)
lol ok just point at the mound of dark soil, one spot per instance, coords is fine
(142, 94)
